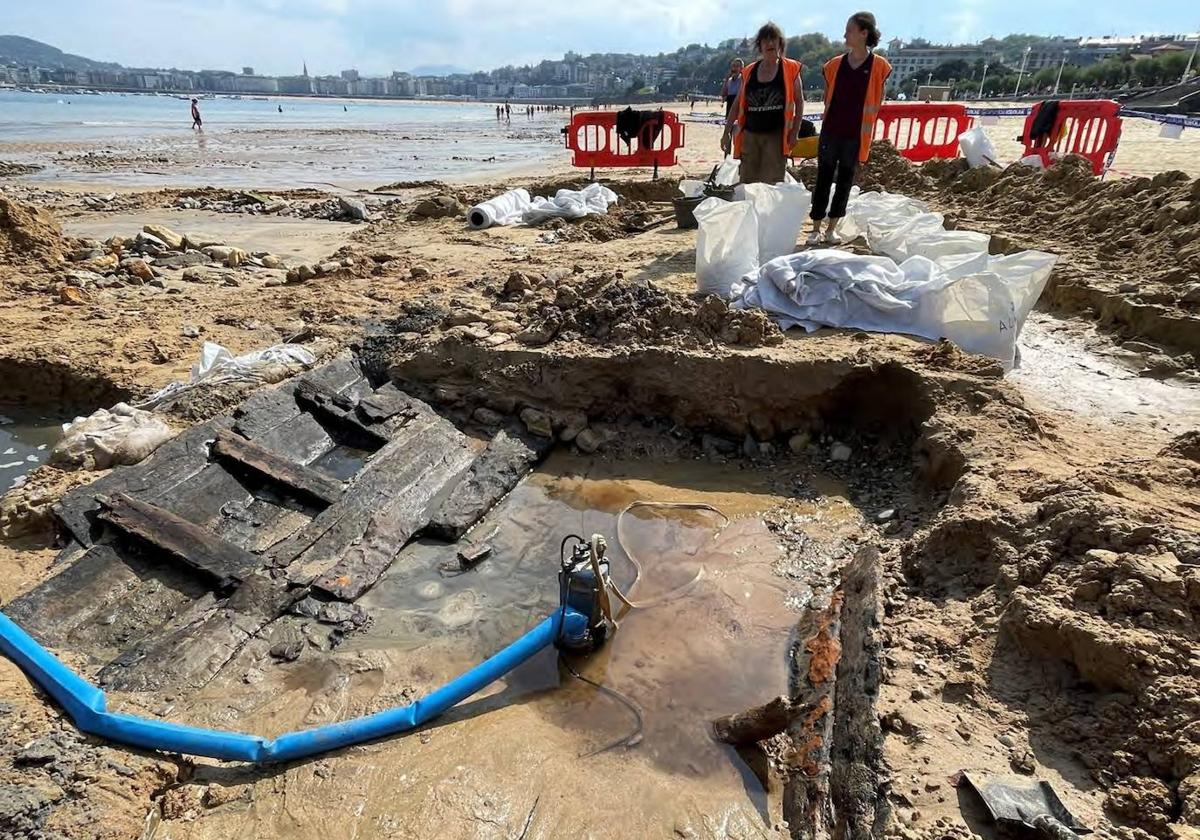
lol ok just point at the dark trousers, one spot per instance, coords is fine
(837, 161)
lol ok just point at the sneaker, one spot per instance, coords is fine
(834, 238)
(814, 238)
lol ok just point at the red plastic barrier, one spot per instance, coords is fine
(593, 141)
(1087, 127)
(923, 131)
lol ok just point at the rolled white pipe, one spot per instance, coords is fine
(504, 209)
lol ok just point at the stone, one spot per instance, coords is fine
(589, 440)
(885, 515)
(517, 282)
(287, 651)
(195, 274)
(487, 417)
(138, 268)
(496, 339)
(305, 272)
(353, 208)
(510, 327)
(1191, 295)
(182, 260)
(83, 254)
(164, 234)
(537, 422)
(418, 272)
(102, 264)
(271, 261)
(190, 331)
(232, 257)
(328, 267)
(460, 318)
(839, 452)
(566, 298)
(799, 442)
(275, 206)
(72, 296)
(81, 278)
(570, 424)
(537, 335)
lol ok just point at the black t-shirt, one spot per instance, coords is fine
(765, 102)
(843, 119)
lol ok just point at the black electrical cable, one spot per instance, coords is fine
(633, 738)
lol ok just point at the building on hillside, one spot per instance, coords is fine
(350, 75)
(1089, 50)
(920, 61)
(247, 71)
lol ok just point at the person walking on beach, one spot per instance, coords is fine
(764, 122)
(732, 83)
(197, 123)
(853, 95)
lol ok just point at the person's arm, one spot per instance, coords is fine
(794, 128)
(731, 126)
(725, 87)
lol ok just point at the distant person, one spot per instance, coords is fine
(732, 83)
(280, 107)
(764, 122)
(197, 123)
(853, 95)
(345, 110)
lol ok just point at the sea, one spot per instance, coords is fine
(146, 139)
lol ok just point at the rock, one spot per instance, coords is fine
(328, 268)
(138, 268)
(102, 264)
(1191, 295)
(182, 260)
(570, 424)
(538, 335)
(197, 243)
(271, 261)
(287, 651)
(418, 272)
(1126, 288)
(232, 257)
(165, 235)
(799, 442)
(510, 327)
(195, 274)
(86, 253)
(487, 417)
(353, 208)
(496, 339)
(72, 296)
(460, 318)
(714, 445)
(537, 422)
(517, 282)
(82, 278)
(589, 440)
(48, 750)
(566, 298)
(190, 331)
(885, 515)
(839, 452)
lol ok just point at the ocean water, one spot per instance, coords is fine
(144, 140)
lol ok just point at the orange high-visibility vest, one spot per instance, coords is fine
(880, 70)
(791, 72)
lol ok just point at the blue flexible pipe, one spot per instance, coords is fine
(85, 703)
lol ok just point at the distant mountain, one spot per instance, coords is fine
(26, 52)
(439, 70)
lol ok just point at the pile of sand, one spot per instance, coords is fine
(29, 234)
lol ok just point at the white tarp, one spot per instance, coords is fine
(978, 302)
(110, 437)
(516, 206)
(978, 148)
(219, 366)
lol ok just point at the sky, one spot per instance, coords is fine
(379, 36)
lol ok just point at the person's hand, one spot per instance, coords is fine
(792, 137)
(726, 141)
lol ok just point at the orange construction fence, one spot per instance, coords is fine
(592, 138)
(922, 131)
(1087, 127)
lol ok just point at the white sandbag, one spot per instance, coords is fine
(1033, 160)
(728, 173)
(110, 438)
(978, 148)
(504, 209)
(781, 210)
(691, 188)
(938, 245)
(889, 235)
(570, 204)
(726, 245)
(219, 366)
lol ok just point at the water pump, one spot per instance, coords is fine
(583, 582)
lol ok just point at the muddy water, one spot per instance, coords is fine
(525, 751)
(1067, 367)
(26, 439)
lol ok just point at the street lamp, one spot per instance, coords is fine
(984, 79)
(1061, 64)
(1188, 70)
(1024, 61)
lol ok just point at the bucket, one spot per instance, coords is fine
(685, 218)
(717, 191)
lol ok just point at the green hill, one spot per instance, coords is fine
(26, 52)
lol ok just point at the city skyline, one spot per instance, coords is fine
(378, 38)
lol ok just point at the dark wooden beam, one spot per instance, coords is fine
(264, 462)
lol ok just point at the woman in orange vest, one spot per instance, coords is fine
(764, 122)
(853, 95)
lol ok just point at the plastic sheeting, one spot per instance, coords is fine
(112, 437)
(86, 704)
(504, 209)
(726, 246)
(781, 210)
(979, 302)
(978, 148)
(218, 366)
(516, 206)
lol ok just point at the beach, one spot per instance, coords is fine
(985, 569)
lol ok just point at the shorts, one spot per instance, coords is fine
(762, 158)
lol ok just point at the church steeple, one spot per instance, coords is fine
(305, 74)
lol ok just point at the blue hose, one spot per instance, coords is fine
(85, 703)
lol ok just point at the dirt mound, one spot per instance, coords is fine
(28, 233)
(1186, 446)
(887, 169)
(664, 189)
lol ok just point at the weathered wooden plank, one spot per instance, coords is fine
(176, 461)
(402, 480)
(265, 463)
(494, 473)
(189, 652)
(203, 500)
(334, 409)
(194, 545)
(259, 525)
